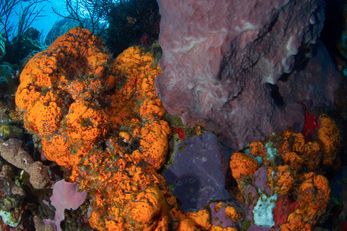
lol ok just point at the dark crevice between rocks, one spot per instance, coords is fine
(275, 94)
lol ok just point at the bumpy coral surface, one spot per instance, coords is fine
(101, 119)
(313, 197)
(242, 165)
(68, 98)
(58, 93)
(289, 195)
(329, 136)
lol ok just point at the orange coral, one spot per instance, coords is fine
(312, 155)
(55, 95)
(188, 225)
(126, 136)
(143, 139)
(218, 228)
(293, 160)
(313, 198)
(201, 218)
(148, 205)
(72, 96)
(154, 142)
(257, 149)
(232, 213)
(152, 109)
(293, 141)
(329, 136)
(284, 180)
(43, 117)
(312, 152)
(139, 198)
(242, 165)
(85, 122)
(308, 192)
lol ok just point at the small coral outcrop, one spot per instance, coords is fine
(277, 181)
(13, 152)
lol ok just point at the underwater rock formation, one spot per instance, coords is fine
(11, 197)
(197, 173)
(13, 152)
(227, 65)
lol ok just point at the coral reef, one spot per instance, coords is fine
(11, 197)
(231, 67)
(283, 192)
(22, 46)
(329, 136)
(242, 165)
(100, 118)
(71, 99)
(72, 67)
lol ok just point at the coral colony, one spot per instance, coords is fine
(222, 133)
(101, 118)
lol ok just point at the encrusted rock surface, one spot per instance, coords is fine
(197, 172)
(226, 63)
(13, 152)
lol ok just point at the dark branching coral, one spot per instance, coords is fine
(132, 21)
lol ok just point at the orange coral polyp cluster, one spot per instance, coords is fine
(85, 123)
(242, 165)
(314, 194)
(287, 176)
(73, 96)
(53, 87)
(329, 136)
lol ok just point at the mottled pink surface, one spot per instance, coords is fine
(65, 196)
(224, 63)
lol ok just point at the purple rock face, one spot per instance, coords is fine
(197, 172)
(316, 85)
(258, 228)
(260, 181)
(250, 195)
(227, 65)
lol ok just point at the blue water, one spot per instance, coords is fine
(44, 23)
